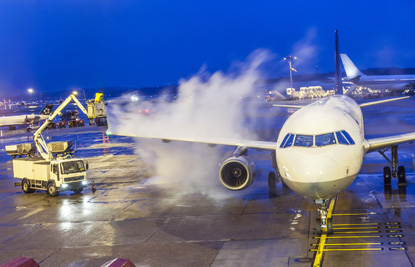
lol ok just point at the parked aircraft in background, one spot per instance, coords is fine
(392, 82)
(13, 121)
(318, 153)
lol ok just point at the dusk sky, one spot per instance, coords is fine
(52, 45)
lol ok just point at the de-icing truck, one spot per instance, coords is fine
(53, 169)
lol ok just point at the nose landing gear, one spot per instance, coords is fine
(323, 224)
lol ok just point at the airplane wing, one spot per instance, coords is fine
(260, 145)
(381, 101)
(288, 106)
(383, 142)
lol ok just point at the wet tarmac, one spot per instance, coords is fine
(131, 217)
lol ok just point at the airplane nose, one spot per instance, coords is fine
(314, 169)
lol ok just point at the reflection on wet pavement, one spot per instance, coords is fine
(131, 216)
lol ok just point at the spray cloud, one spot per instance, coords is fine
(208, 106)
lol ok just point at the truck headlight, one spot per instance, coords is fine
(84, 183)
(64, 185)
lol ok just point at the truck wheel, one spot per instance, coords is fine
(78, 190)
(26, 187)
(52, 190)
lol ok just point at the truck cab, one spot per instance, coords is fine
(69, 175)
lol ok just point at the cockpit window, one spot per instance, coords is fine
(348, 137)
(325, 139)
(284, 140)
(303, 140)
(341, 139)
(287, 141)
(344, 138)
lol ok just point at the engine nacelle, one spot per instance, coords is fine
(237, 173)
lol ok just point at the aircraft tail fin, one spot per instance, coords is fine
(47, 110)
(338, 85)
(351, 70)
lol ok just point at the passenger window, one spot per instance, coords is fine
(325, 139)
(348, 137)
(341, 139)
(303, 140)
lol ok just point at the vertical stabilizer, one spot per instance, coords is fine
(47, 110)
(351, 70)
(338, 86)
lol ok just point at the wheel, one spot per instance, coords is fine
(318, 226)
(387, 176)
(52, 190)
(401, 176)
(329, 226)
(78, 190)
(26, 187)
(272, 185)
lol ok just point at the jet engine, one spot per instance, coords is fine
(237, 173)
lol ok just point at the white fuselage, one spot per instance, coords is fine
(383, 81)
(322, 160)
(355, 76)
(21, 119)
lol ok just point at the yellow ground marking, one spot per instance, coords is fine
(397, 243)
(351, 236)
(358, 232)
(397, 248)
(351, 244)
(350, 214)
(347, 224)
(348, 249)
(350, 228)
(320, 248)
(331, 208)
(395, 235)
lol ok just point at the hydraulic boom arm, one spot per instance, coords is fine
(40, 143)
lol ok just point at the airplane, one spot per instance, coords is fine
(13, 121)
(392, 82)
(318, 153)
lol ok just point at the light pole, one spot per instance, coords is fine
(76, 93)
(289, 59)
(30, 90)
(84, 94)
